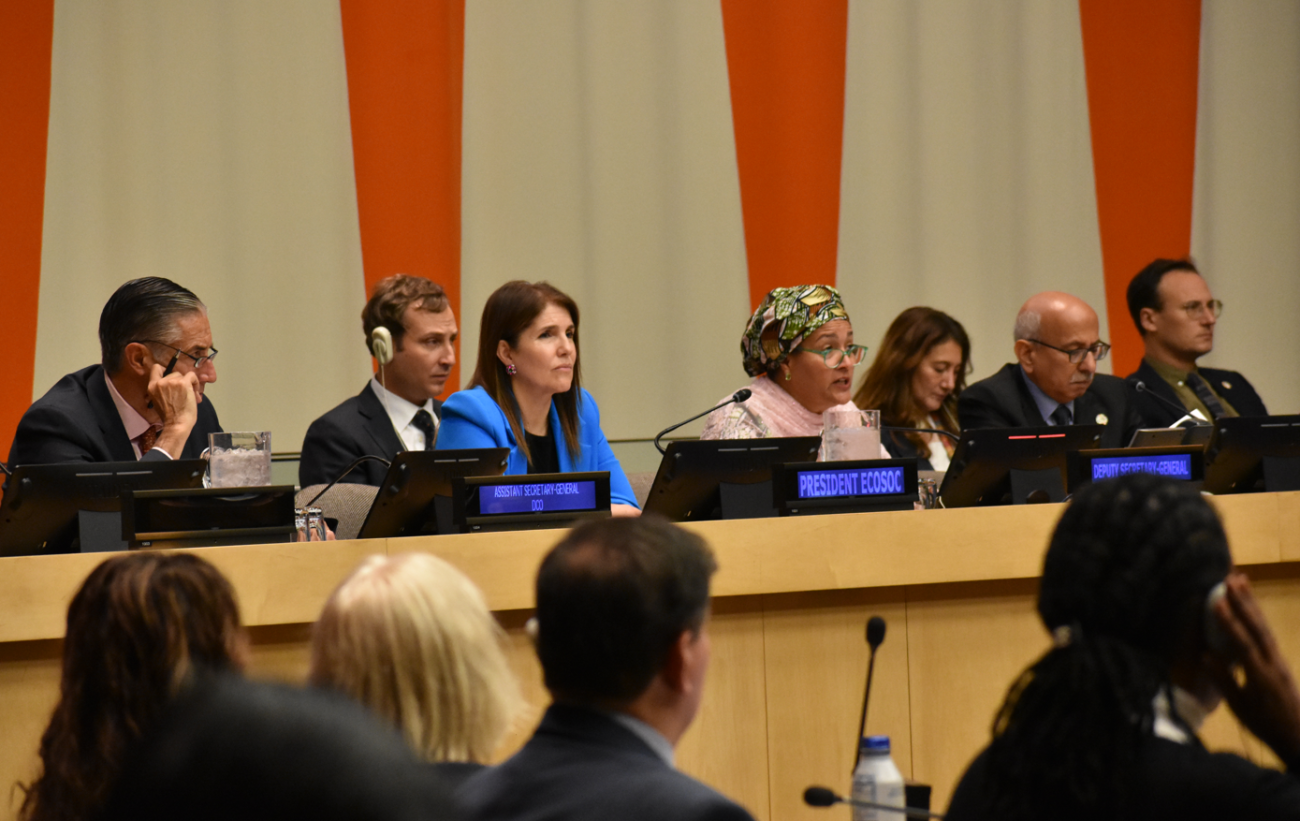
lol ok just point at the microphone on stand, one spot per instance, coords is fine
(1141, 387)
(346, 471)
(824, 797)
(739, 396)
(875, 637)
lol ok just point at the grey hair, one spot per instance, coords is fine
(1028, 324)
(142, 309)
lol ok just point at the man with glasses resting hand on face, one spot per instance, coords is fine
(1055, 380)
(1172, 307)
(145, 399)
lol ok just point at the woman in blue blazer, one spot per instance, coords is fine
(526, 396)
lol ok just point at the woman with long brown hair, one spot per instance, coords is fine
(526, 393)
(141, 626)
(914, 382)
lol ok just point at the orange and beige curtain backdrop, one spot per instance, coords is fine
(664, 161)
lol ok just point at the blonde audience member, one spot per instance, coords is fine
(411, 638)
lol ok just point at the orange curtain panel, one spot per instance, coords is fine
(1142, 62)
(405, 62)
(26, 45)
(785, 61)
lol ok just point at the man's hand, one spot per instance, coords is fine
(175, 399)
(1256, 681)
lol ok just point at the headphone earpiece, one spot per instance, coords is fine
(1215, 637)
(381, 345)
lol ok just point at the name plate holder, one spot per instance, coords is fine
(809, 488)
(485, 504)
(1183, 462)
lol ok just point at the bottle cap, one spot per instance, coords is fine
(875, 744)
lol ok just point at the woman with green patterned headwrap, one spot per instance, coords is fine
(799, 348)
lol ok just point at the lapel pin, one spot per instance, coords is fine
(1227, 386)
(1102, 419)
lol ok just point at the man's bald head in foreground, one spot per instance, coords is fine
(1049, 327)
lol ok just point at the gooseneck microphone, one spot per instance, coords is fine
(1141, 387)
(739, 396)
(824, 797)
(346, 471)
(875, 637)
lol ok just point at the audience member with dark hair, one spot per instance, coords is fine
(141, 627)
(411, 637)
(418, 337)
(622, 636)
(914, 382)
(1175, 313)
(145, 398)
(527, 394)
(232, 750)
(1104, 724)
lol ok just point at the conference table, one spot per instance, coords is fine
(790, 602)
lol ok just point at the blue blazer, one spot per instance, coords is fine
(473, 419)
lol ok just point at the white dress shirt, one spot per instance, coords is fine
(402, 413)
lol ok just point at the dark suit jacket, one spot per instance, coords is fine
(581, 765)
(358, 427)
(1004, 401)
(76, 421)
(1182, 781)
(1231, 385)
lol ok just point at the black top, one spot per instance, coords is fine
(545, 458)
(1183, 781)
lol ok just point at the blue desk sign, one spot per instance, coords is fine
(1183, 462)
(844, 487)
(484, 503)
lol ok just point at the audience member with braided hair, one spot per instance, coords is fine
(139, 629)
(1104, 725)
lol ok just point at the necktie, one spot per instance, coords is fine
(147, 440)
(1202, 390)
(1061, 416)
(424, 421)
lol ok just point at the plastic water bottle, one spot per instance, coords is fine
(877, 779)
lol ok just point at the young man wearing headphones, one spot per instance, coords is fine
(410, 331)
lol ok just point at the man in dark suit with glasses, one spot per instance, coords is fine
(144, 400)
(1054, 380)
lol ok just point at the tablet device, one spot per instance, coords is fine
(723, 478)
(416, 495)
(998, 466)
(44, 506)
(1253, 453)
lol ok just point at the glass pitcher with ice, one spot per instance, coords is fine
(850, 434)
(239, 459)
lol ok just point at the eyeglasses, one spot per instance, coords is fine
(834, 357)
(1196, 309)
(199, 361)
(1097, 349)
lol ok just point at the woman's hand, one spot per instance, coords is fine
(1256, 681)
(616, 509)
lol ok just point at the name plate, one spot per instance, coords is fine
(537, 497)
(869, 481)
(1182, 462)
(805, 488)
(530, 501)
(1175, 466)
